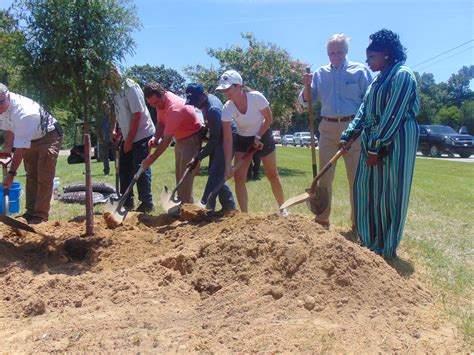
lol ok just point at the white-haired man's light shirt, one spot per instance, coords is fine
(341, 90)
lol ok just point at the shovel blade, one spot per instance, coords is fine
(296, 200)
(167, 202)
(16, 223)
(113, 207)
(319, 200)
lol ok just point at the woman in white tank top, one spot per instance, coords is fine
(251, 113)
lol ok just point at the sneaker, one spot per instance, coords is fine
(284, 213)
(145, 207)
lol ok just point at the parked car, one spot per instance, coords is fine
(437, 139)
(276, 137)
(304, 139)
(287, 139)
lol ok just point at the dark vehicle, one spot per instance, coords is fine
(437, 139)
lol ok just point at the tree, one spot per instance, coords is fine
(458, 85)
(468, 111)
(432, 96)
(264, 67)
(168, 78)
(450, 116)
(69, 49)
(11, 40)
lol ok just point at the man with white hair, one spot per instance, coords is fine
(37, 137)
(341, 86)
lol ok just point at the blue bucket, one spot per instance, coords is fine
(14, 198)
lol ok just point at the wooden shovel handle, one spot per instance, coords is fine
(333, 160)
(311, 125)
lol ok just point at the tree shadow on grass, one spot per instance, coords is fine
(204, 171)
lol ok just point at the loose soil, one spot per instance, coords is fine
(241, 283)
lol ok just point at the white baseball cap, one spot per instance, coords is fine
(230, 77)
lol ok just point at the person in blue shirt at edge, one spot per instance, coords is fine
(341, 86)
(211, 108)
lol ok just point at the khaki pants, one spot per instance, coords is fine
(40, 165)
(185, 150)
(330, 134)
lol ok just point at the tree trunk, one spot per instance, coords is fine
(89, 204)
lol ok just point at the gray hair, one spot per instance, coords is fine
(339, 38)
(3, 89)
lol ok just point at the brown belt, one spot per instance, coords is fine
(340, 119)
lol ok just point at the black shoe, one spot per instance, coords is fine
(35, 220)
(145, 207)
(223, 212)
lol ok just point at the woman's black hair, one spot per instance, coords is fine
(386, 40)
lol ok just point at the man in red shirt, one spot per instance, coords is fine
(174, 119)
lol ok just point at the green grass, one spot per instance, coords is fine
(438, 235)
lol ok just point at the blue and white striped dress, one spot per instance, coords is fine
(381, 193)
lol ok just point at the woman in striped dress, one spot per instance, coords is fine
(389, 140)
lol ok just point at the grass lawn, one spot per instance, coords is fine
(438, 235)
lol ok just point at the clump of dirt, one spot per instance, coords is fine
(192, 213)
(110, 221)
(249, 283)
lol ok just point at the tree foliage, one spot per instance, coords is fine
(446, 103)
(264, 67)
(168, 78)
(11, 41)
(69, 48)
(458, 85)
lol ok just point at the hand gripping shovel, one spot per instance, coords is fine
(318, 196)
(246, 157)
(5, 161)
(169, 201)
(4, 218)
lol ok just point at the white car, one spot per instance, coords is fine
(287, 139)
(303, 139)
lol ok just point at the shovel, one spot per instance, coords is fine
(6, 198)
(4, 218)
(169, 201)
(117, 170)
(318, 196)
(246, 157)
(311, 126)
(12, 222)
(116, 207)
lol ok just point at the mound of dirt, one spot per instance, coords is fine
(243, 283)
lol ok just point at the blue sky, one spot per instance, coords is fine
(176, 33)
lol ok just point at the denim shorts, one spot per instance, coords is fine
(242, 144)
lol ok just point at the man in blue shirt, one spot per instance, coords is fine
(341, 86)
(211, 108)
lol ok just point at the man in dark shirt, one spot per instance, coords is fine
(211, 108)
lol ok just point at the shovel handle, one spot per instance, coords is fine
(250, 152)
(333, 160)
(311, 126)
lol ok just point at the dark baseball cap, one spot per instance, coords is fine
(193, 93)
